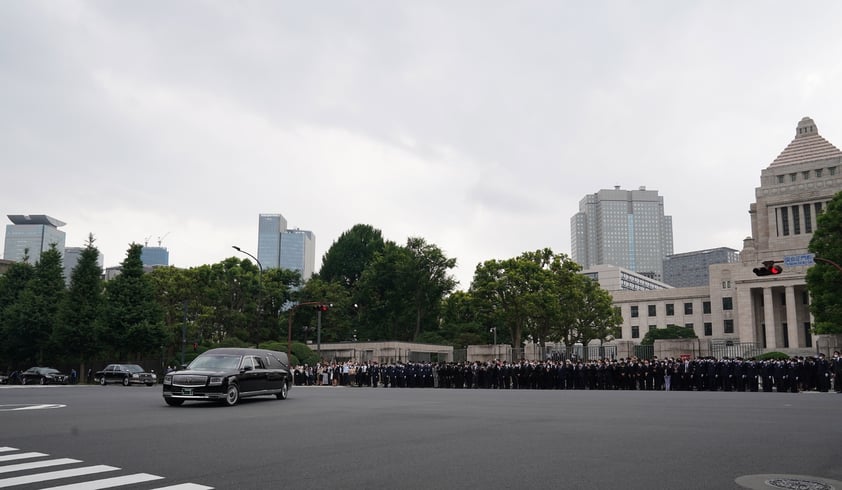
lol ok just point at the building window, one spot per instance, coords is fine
(796, 221)
(805, 299)
(792, 177)
(706, 307)
(688, 325)
(635, 332)
(727, 303)
(780, 179)
(784, 220)
(670, 309)
(818, 173)
(652, 311)
(818, 207)
(708, 329)
(832, 170)
(806, 175)
(634, 312)
(808, 220)
(783, 299)
(729, 326)
(688, 308)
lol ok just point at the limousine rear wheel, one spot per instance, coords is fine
(232, 395)
(173, 402)
(284, 390)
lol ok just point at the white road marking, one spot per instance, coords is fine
(15, 457)
(55, 475)
(117, 481)
(185, 486)
(112, 482)
(37, 464)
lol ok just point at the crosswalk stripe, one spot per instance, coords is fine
(37, 464)
(15, 457)
(55, 475)
(6, 449)
(109, 482)
(185, 486)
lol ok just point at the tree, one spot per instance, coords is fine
(429, 281)
(134, 321)
(590, 311)
(350, 255)
(824, 280)
(12, 285)
(504, 290)
(30, 320)
(81, 311)
(670, 332)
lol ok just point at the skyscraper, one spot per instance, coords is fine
(278, 247)
(623, 228)
(31, 234)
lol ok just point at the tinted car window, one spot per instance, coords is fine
(215, 363)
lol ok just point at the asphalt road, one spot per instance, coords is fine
(365, 438)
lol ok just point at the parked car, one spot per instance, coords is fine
(126, 374)
(43, 376)
(229, 374)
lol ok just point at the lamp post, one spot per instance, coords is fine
(259, 285)
(494, 331)
(289, 328)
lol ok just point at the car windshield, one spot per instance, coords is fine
(133, 368)
(49, 371)
(215, 362)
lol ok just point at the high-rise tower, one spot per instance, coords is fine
(623, 228)
(31, 234)
(278, 247)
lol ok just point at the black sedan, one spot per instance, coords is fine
(43, 376)
(125, 374)
(228, 374)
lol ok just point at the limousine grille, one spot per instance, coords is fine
(189, 380)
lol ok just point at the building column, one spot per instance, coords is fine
(769, 319)
(745, 315)
(794, 328)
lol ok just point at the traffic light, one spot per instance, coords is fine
(769, 269)
(321, 307)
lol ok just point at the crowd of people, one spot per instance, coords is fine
(796, 374)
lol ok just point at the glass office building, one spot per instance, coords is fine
(278, 247)
(624, 228)
(31, 234)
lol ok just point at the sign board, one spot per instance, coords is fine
(799, 260)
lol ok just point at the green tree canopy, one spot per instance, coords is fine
(669, 332)
(824, 280)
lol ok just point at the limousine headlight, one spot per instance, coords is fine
(215, 381)
(168, 379)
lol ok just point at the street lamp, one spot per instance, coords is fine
(260, 285)
(289, 328)
(259, 265)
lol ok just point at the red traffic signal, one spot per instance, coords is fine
(769, 268)
(321, 307)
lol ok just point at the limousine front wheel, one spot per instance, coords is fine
(284, 390)
(232, 395)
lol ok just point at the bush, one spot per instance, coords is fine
(670, 332)
(772, 356)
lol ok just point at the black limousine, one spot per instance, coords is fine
(228, 374)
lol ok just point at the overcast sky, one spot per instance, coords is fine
(477, 125)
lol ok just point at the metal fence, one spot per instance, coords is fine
(731, 349)
(580, 352)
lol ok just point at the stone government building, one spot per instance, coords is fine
(737, 305)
